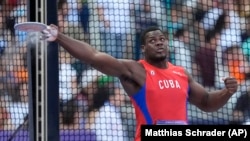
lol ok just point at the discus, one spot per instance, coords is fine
(30, 26)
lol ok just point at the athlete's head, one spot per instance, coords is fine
(154, 44)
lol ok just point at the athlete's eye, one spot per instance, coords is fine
(163, 39)
(152, 41)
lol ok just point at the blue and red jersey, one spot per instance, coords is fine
(163, 98)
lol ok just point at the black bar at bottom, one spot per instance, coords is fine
(224, 132)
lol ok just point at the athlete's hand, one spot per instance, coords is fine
(50, 33)
(231, 84)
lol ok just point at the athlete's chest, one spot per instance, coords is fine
(166, 82)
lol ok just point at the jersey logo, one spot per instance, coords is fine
(166, 84)
(152, 72)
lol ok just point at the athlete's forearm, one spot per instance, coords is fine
(81, 50)
(217, 99)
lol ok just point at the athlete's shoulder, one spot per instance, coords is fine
(169, 64)
(175, 67)
(141, 61)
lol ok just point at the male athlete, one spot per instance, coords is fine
(158, 90)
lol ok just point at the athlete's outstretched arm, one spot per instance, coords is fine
(84, 52)
(214, 100)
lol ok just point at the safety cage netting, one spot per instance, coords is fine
(210, 38)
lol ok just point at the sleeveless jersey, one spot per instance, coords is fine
(163, 98)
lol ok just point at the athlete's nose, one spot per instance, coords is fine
(159, 43)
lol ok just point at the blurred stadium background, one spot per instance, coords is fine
(46, 94)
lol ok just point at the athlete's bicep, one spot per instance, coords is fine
(198, 96)
(110, 65)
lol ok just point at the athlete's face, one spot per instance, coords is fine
(156, 46)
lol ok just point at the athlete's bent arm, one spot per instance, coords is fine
(211, 101)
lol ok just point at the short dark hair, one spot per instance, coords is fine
(144, 32)
(210, 35)
(68, 111)
(179, 32)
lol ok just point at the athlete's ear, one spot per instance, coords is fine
(142, 48)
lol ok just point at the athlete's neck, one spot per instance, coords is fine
(159, 64)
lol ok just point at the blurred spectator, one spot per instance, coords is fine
(7, 7)
(19, 13)
(3, 45)
(115, 26)
(88, 88)
(84, 19)
(7, 80)
(10, 4)
(223, 16)
(121, 100)
(89, 76)
(68, 18)
(70, 115)
(203, 6)
(104, 116)
(73, 7)
(238, 66)
(18, 106)
(79, 67)
(13, 71)
(20, 70)
(244, 8)
(187, 17)
(205, 16)
(61, 13)
(82, 104)
(145, 15)
(241, 111)
(231, 31)
(246, 40)
(206, 56)
(211, 15)
(68, 86)
(3, 39)
(246, 49)
(186, 14)
(181, 48)
(175, 21)
(5, 123)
